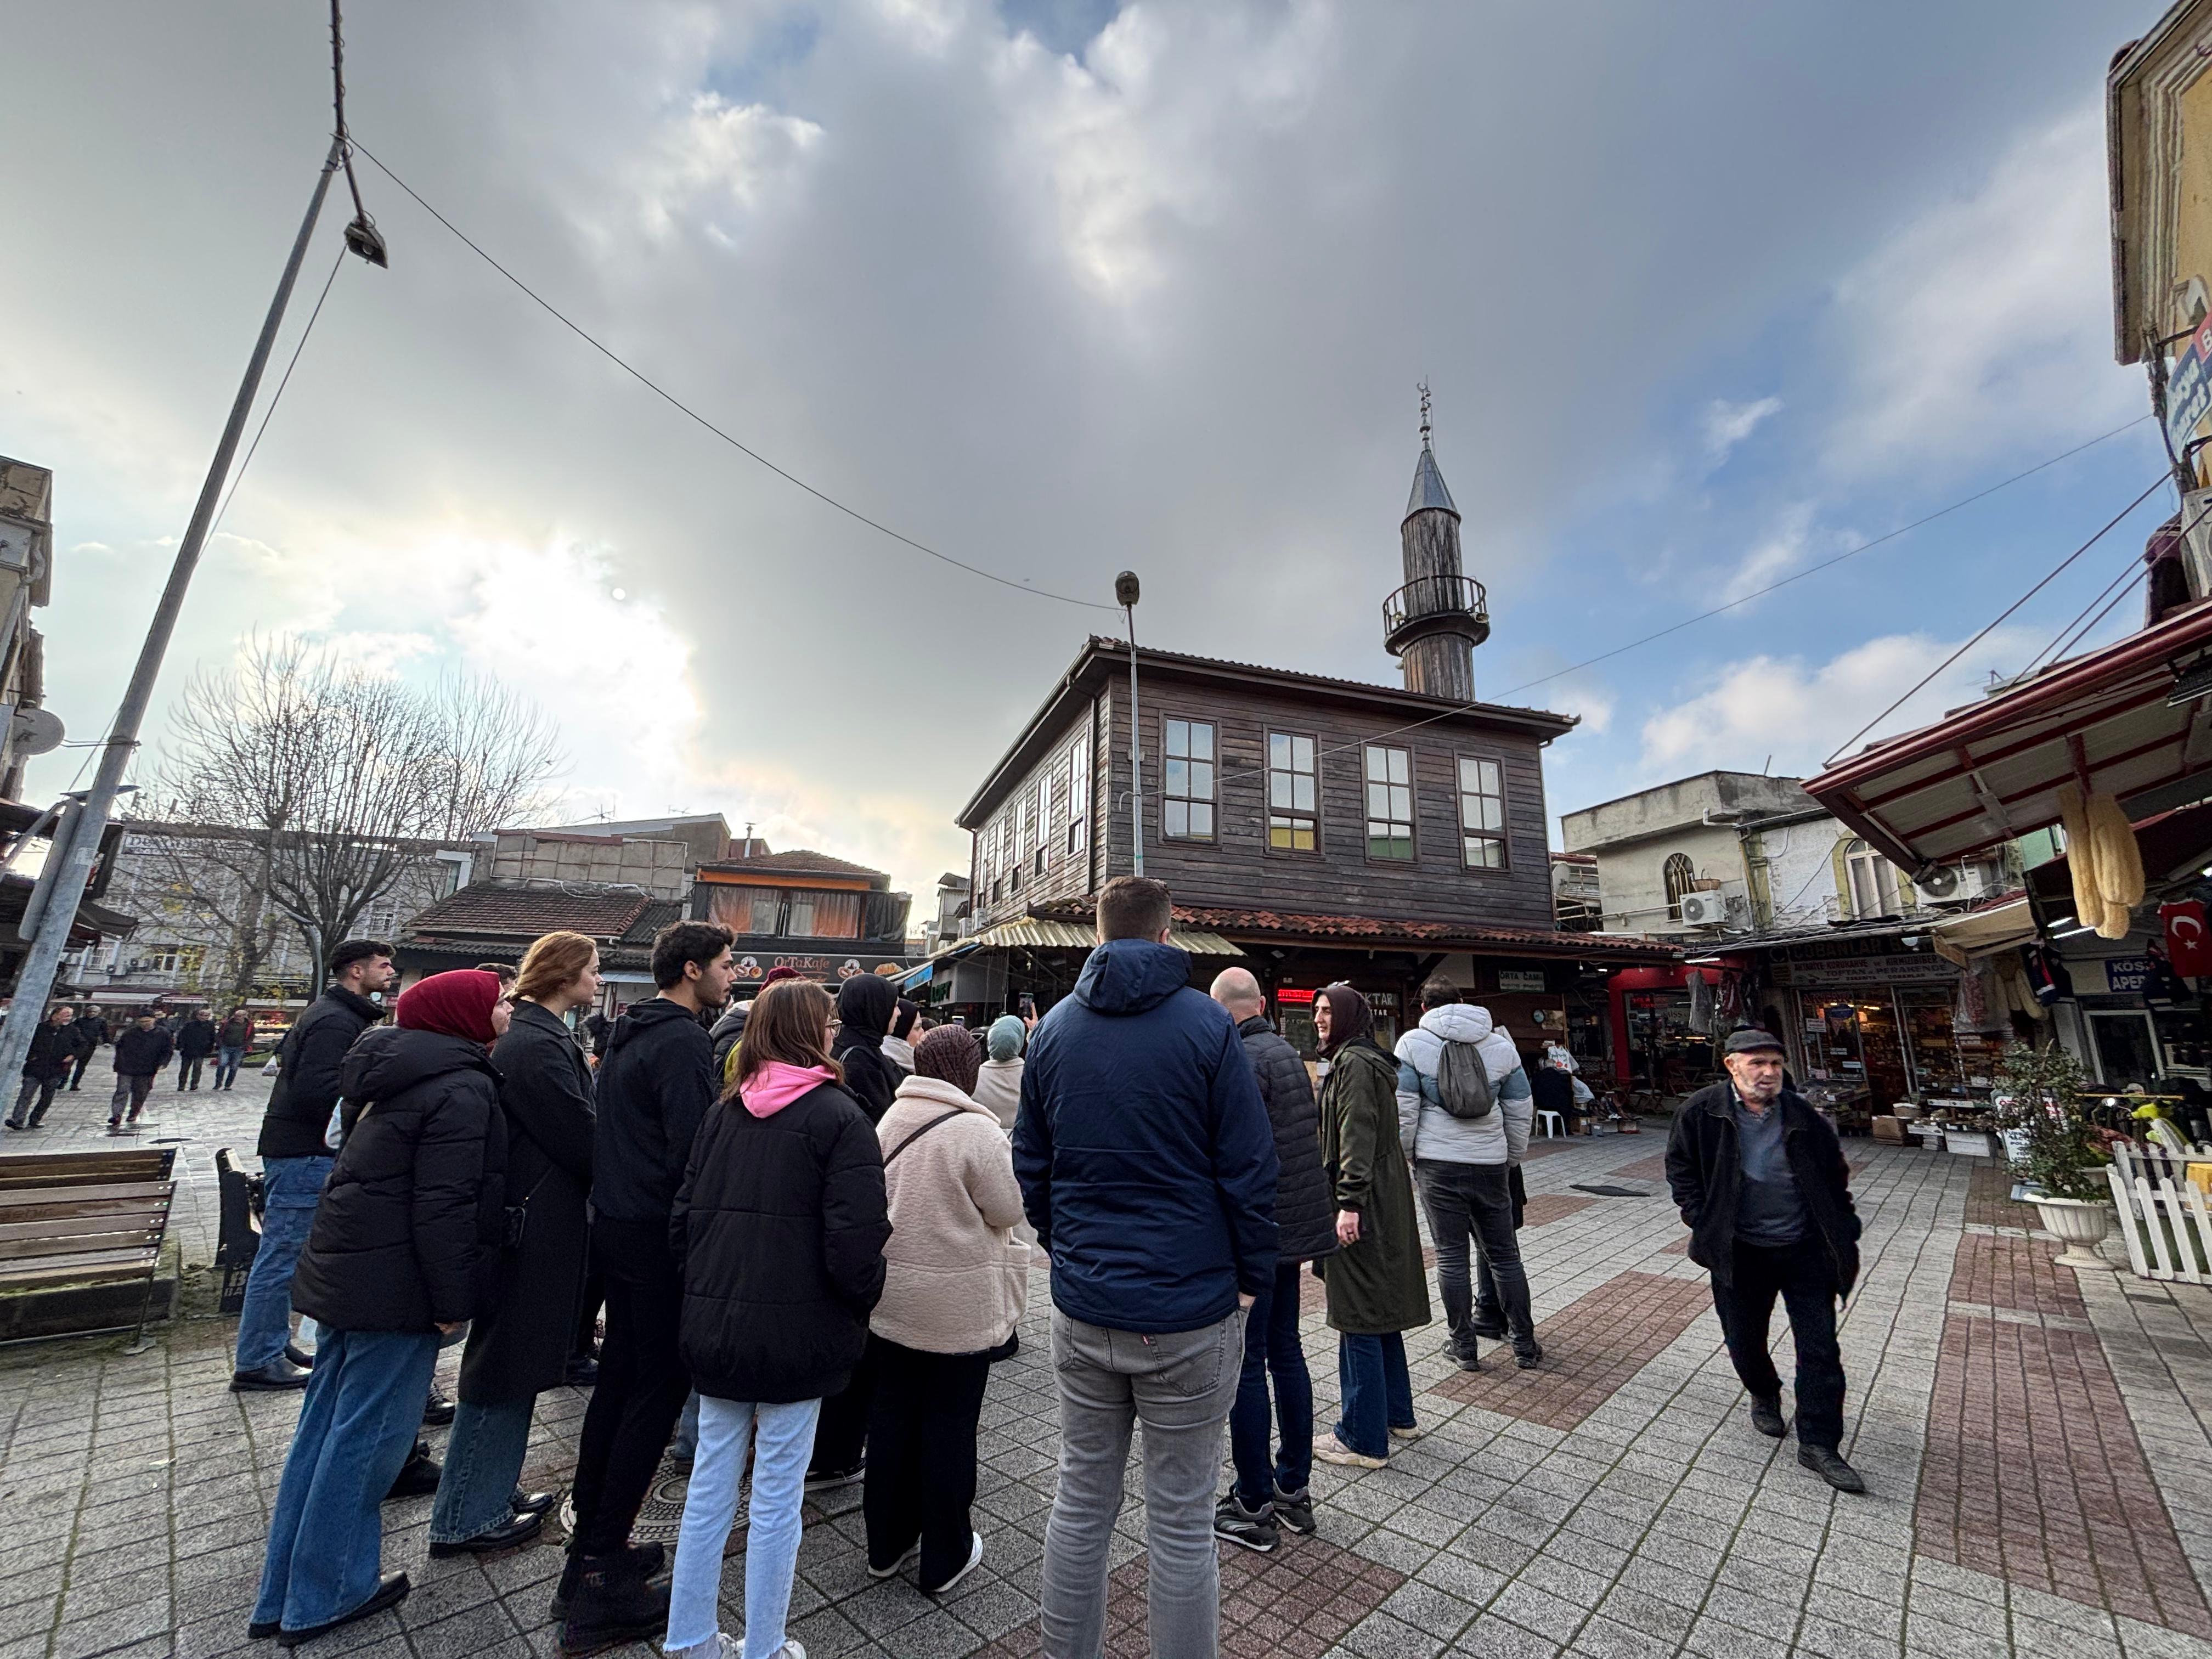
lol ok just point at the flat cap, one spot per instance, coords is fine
(1752, 1040)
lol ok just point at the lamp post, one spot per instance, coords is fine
(1124, 595)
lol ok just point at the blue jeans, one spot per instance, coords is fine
(1271, 1345)
(484, 1460)
(226, 1067)
(357, 1424)
(1378, 1394)
(290, 1189)
(685, 1447)
(786, 1441)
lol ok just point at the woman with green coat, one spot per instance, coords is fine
(1378, 1287)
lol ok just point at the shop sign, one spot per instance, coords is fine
(2189, 387)
(1519, 979)
(1871, 972)
(750, 967)
(2125, 976)
(1302, 998)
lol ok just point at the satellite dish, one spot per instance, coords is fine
(1938, 881)
(36, 730)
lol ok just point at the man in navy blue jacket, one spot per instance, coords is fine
(1147, 1166)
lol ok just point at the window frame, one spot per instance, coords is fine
(1502, 836)
(1212, 799)
(1267, 814)
(1686, 866)
(1079, 793)
(1412, 807)
(1045, 843)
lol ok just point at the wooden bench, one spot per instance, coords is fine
(88, 1218)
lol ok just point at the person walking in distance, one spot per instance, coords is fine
(655, 1086)
(1272, 1491)
(140, 1055)
(518, 1345)
(397, 1257)
(1761, 1182)
(1378, 1287)
(999, 1083)
(779, 1228)
(55, 1046)
(92, 1032)
(957, 1283)
(196, 1041)
(232, 1039)
(294, 1159)
(1147, 1166)
(1464, 1131)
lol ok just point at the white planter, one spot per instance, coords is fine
(2078, 1224)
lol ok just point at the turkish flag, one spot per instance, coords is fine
(2188, 937)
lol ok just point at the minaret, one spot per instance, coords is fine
(1433, 623)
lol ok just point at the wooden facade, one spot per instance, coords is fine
(1030, 851)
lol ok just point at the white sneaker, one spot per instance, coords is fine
(892, 1572)
(974, 1560)
(1328, 1449)
(723, 1646)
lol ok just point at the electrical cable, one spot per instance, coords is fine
(2075, 632)
(685, 408)
(2163, 479)
(275, 396)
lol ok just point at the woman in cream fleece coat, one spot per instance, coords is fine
(956, 1285)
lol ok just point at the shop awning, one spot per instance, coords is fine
(2121, 721)
(1039, 931)
(1977, 934)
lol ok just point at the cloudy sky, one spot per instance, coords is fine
(1707, 293)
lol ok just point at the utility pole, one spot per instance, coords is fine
(1124, 595)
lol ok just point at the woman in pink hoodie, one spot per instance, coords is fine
(780, 1225)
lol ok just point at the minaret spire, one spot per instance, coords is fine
(1433, 623)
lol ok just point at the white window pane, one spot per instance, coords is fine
(1279, 790)
(1201, 820)
(1279, 749)
(1378, 801)
(1378, 766)
(1491, 782)
(1401, 766)
(1402, 802)
(1178, 818)
(1201, 779)
(1201, 741)
(1302, 794)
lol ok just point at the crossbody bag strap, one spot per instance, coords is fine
(948, 1117)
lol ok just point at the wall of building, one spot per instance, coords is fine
(658, 867)
(1632, 876)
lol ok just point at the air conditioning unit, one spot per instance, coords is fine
(1705, 909)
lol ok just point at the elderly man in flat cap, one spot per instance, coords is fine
(1760, 1180)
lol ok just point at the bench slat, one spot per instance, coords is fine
(138, 1219)
(115, 1238)
(120, 1263)
(45, 1168)
(17, 1216)
(42, 1196)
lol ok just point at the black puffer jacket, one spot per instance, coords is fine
(1305, 1220)
(196, 1039)
(308, 1084)
(781, 1227)
(407, 1235)
(865, 1003)
(143, 1054)
(1704, 1172)
(655, 1087)
(54, 1049)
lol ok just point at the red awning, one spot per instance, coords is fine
(1992, 771)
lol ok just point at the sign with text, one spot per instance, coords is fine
(1521, 979)
(2189, 387)
(2126, 975)
(1868, 972)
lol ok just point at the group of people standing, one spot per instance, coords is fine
(67, 1037)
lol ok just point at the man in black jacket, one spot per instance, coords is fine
(1267, 1499)
(654, 1088)
(141, 1052)
(1761, 1182)
(195, 1042)
(92, 1031)
(54, 1046)
(295, 1158)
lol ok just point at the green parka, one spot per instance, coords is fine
(1378, 1286)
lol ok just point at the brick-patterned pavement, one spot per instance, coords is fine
(1648, 1519)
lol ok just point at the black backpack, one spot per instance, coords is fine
(1463, 1086)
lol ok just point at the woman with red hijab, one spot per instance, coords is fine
(406, 1234)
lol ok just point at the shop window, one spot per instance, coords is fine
(1481, 813)
(1187, 807)
(1390, 803)
(1293, 794)
(1079, 793)
(1680, 877)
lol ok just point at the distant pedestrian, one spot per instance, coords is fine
(295, 1159)
(398, 1256)
(1761, 1182)
(520, 1342)
(56, 1045)
(999, 1083)
(1147, 1166)
(140, 1055)
(905, 1032)
(956, 1285)
(93, 1033)
(780, 1227)
(196, 1041)
(1463, 1160)
(655, 1088)
(1272, 1489)
(232, 1039)
(1377, 1288)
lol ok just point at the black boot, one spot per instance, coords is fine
(611, 1604)
(647, 1558)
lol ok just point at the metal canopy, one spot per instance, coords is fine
(1992, 771)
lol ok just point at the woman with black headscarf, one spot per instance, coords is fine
(865, 1003)
(1378, 1288)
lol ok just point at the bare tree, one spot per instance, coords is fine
(337, 783)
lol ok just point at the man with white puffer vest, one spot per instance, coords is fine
(1464, 1111)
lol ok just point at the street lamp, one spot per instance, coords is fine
(1124, 595)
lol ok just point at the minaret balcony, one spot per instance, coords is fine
(1429, 605)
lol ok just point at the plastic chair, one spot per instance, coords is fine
(1552, 1126)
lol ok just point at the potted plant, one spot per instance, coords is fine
(2038, 1093)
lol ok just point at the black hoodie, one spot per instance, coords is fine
(655, 1087)
(865, 1003)
(409, 1228)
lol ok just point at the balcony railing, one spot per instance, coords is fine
(1436, 604)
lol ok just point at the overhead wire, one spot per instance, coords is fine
(2075, 631)
(685, 408)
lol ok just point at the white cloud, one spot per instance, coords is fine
(1725, 425)
(715, 156)
(1775, 556)
(1798, 712)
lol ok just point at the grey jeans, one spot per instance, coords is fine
(1179, 1386)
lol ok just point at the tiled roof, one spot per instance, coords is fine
(657, 914)
(800, 861)
(1387, 930)
(507, 907)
